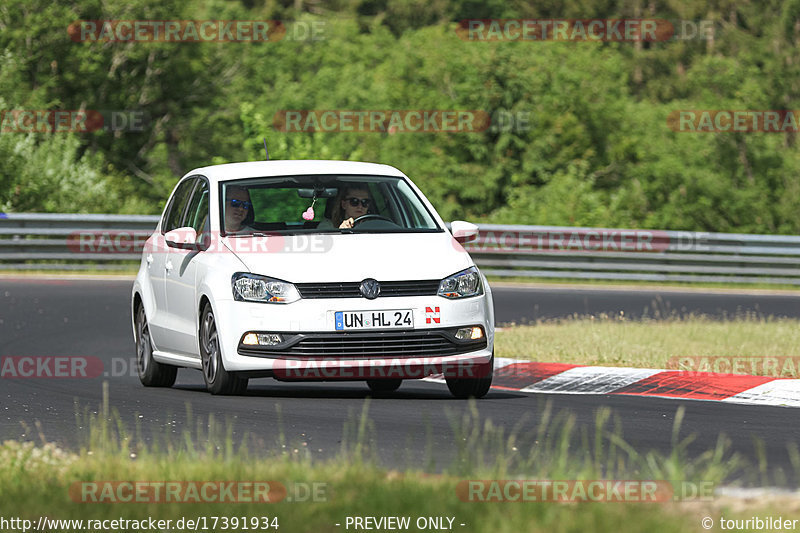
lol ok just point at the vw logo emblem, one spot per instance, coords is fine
(370, 288)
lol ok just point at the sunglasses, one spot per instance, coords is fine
(355, 201)
(241, 203)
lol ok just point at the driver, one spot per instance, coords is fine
(238, 209)
(353, 201)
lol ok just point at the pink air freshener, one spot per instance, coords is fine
(308, 214)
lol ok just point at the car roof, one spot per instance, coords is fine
(254, 169)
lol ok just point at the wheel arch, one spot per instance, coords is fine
(204, 300)
(136, 302)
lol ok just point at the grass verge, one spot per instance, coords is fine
(607, 341)
(321, 494)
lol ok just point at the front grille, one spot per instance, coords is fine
(428, 343)
(329, 290)
(428, 287)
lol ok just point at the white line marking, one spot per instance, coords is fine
(591, 380)
(603, 380)
(782, 392)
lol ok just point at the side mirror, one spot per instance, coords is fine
(464, 231)
(184, 238)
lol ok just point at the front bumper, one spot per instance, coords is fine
(436, 342)
(311, 341)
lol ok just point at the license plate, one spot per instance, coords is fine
(388, 319)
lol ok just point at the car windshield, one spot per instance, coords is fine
(323, 203)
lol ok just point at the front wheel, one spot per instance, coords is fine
(476, 387)
(151, 372)
(218, 380)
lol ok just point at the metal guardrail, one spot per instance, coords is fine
(642, 255)
(53, 241)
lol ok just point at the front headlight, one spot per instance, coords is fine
(255, 288)
(462, 284)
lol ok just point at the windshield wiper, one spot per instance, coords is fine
(253, 234)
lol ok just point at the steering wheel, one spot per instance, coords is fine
(363, 218)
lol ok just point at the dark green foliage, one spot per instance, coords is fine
(597, 151)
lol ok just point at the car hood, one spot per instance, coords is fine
(351, 257)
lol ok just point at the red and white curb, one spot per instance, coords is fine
(563, 378)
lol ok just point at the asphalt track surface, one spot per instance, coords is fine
(410, 428)
(540, 303)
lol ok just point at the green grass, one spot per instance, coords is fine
(354, 484)
(607, 341)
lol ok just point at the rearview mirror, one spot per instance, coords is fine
(184, 238)
(328, 192)
(464, 231)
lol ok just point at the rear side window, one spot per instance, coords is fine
(174, 215)
(197, 212)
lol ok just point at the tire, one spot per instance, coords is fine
(151, 372)
(218, 380)
(463, 388)
(383, 386)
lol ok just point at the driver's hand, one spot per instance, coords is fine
(346, 224)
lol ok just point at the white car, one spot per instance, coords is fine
(310, 270)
